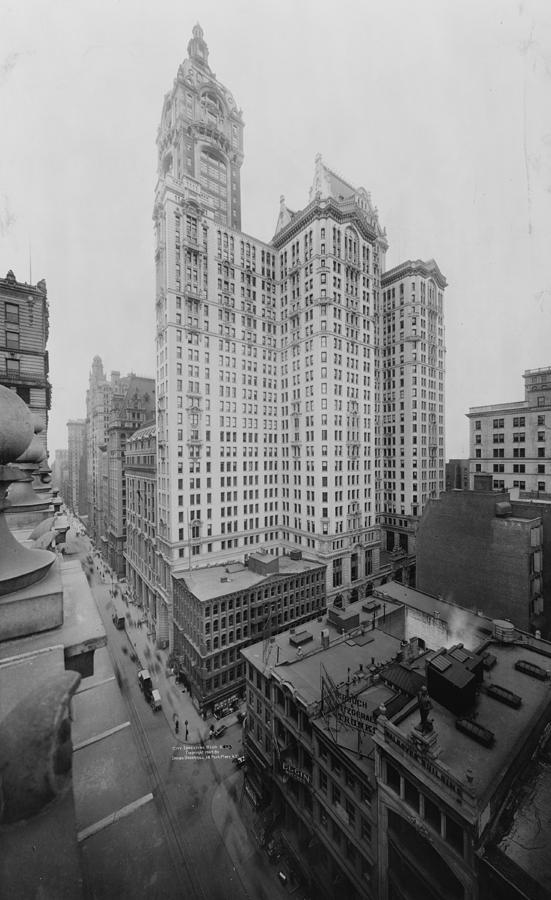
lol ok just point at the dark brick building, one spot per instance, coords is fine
(480, 551)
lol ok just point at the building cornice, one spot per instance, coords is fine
(427, 269)
(341, 211)
(513, 407)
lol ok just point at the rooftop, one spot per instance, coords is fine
(147, 431)
(280, 650)
(218, 581)
(426, 268)
(341, 660)
(514, 406)
(454, 623)
(510, 727)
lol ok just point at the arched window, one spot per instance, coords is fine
(213, 174)
(212, 109)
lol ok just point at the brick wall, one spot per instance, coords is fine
(471, 557)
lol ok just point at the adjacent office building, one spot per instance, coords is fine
(132, 405)
(77, 445)
(511, 440)
(299, 383)
(457, 475)
(60, 474)
(24, 362)
(97, 410)
(412, 383)
(141, 524)
(115, 407)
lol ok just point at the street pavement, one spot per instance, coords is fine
(198, 793)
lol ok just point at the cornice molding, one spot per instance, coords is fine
(427, 269)
(323, 207)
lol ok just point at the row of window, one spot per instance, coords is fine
(444, 825)
(518, 421)
(518, 453)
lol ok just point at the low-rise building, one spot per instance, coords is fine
(380, 760)
(219, 610)
(313, 697)
(445, 770)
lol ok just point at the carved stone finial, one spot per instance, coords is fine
(197, 48)
(16, 426)
(19, 567)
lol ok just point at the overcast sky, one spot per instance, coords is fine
(441, 109)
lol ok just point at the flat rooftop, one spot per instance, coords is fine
(280, 649)
(340, 660)
(511, 727)
(455, 622)
(350, 663)
(218, 581)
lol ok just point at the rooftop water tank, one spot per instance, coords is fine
(503, 631)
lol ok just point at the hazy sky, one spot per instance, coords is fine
(441, 109)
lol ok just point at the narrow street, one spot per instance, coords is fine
(199, 800)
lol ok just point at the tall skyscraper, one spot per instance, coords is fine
(299, 385)
(132, 405)
(412, 369)
(76, 442)
(97, 412)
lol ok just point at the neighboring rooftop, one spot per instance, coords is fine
(510, 727)
(352, 625)
(341, 661)
(144, 433)
(217, 581)
(448, 622)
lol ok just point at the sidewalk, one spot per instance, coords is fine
(177, 706)
(177, 703)
(236, 826)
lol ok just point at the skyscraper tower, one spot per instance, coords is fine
(276, 366)
(201, 137)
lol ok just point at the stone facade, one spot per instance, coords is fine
(220, 610)
(512, 440)
(141, 525)
(24, 363)
(77, 445)
(272, 397)
(132, 405)
(116, 407)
